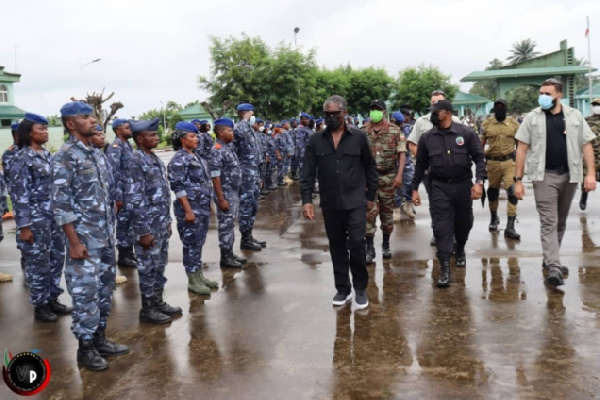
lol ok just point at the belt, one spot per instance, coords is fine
(452, 180)
(386, 171)
(558, 170)
(510, 156)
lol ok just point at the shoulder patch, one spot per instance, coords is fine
(217, 146)
(116, 146)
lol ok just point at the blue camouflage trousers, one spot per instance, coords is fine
(249, 196)
(268, 176)
(124, 228)
(301, 163)
(44, 261)
(193, 237)
(226, 220)
(286, 165)
(405, 192)
(151, 265)
(90, 283)
(279, 166)
(294, 165)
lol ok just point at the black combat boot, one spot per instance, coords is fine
(264, 191)
(444, 278)
(494, 221)
(247, 244)
(296, 176)
(385, 246)
(44, 313)
(227, 260)
(583, 200)
(161, 305)
(89, 358)
(261, 243)
(108, 348)
(126, 257)
(460, 256)
(239, 259)
(58, 308)
(370, 251)
(150, 314)
(510, 231)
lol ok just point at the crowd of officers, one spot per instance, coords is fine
(88, 202)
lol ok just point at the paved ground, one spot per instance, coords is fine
(270, 331)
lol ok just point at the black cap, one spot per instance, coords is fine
(442, 105)
(501, 101)
(378, 103)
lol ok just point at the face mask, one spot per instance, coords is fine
(596, 110)
(252, 120)
(546, 102)
(325, 126)
(500, 114)
(376, 115)
(333, 123)
(269, 132)
(435, 119)
(262, 129)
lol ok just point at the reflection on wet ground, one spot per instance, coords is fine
(270, 332)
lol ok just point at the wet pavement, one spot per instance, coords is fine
(270, 331)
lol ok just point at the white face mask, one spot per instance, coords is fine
(596, 110)
(262, 129)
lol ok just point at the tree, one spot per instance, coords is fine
(414, 87)
(523, 51)
(365, 85)
(96, 100)
(487, 88)
(522, 99)
(328, 83)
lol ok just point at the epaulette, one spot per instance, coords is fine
(116, 146)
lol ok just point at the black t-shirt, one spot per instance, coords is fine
(556, 141)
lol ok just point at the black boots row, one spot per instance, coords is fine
(510, 231)
(50, 311)
(91, 353)
(385, 248)
(127, 257)
(248, 242)
(156, 311)
(231, 260)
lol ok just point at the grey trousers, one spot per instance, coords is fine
(553, 197)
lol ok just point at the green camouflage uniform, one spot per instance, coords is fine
(385, 146)
(594, 123)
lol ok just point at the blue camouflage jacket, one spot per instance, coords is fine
(246, 144)
(205, 144)
(223, 162)
(147, 195)
(189, 177)
(289, 142)
(7, 158)
(119, 153)
(302, 135)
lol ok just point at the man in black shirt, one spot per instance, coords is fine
(348, 183)
(448, 150)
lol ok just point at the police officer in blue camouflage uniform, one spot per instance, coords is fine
(303, 133)
(9, 154)
(39, 238)
(294, 163)
(247, 147)
(81, 204)
(3, 210)
(119, 153)
(226, 175)
(205, 141)
(190, 181)
(404, 194)
(280, 153)
(271, 156)
(148, 199)
(289, 149)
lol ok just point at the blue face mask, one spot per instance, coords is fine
(545, 101)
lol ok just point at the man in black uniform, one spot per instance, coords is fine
(448, 150)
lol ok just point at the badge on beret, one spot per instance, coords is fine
(460, 141)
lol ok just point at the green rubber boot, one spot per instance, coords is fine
(195, 285)
(207, 282)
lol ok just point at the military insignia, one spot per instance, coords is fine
(460, 141)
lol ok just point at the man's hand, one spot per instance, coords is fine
(416, 198)
(267, 159)
(476, 191)
(397, 182)
(190, 217)
(289, 155)
(519, 190)
(119, 204)
(589, 184)
(308, 210)
(170, 230)
(78, 251)
(223, 205)
(26, 235)
(279, 158)
(147, 241)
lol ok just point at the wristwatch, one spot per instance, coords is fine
(516, 179)
(479, 182)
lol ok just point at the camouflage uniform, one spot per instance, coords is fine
(7, 158)
(269, 165)
(147, 198)
(294, 161)
(263, 157)
(302, 135)
(189, 177)
(385, 147)
(119, 153)
(289, 149)
(205, 144)
(280, 145)
(500, 138)
(80, 195)
(409, 168)
(247, 147)
(594, 123)
(223, 163)
(31, 177)
(3, 202)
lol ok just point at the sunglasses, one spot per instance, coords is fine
(332, 113)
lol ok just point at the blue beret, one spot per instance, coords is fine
(14, 127)
(144, 126)
(293, 120)
(304, 115)
(224, 122)
(196, 121)
(74, 108)
(186, 127)
(119, 122)
(99, 128)
(277, 126)
(245, 107)
(356, 119)
(285, 121)
(319, 120)
(312, 118)
(36, 119)
(259, 121)
(397, 115)
(203, 121)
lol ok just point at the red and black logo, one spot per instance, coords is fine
(26, 373)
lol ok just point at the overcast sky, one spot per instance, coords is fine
(153, 51)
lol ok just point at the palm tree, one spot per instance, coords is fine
(523, 51)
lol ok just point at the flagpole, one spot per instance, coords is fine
(589, 61)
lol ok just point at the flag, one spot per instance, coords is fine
(587, 29)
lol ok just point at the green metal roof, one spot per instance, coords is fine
(193, 110)
(463, 98)
(524, 72)
(585, 93)
(10, 111)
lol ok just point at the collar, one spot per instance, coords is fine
(450, 128)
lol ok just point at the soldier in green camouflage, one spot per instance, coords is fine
(388, 145)
(594, 122)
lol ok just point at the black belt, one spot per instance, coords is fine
(452, 180)
(386, 171)
(558, 170)
(511, 156)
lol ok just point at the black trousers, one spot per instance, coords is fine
(452, 214)
(347, 246)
